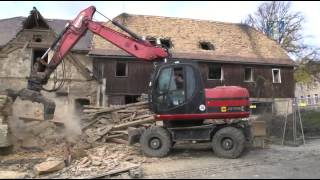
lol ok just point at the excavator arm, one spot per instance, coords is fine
(67, 39)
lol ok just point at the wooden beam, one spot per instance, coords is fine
(121, 107)
(134, 123)
(120, 141)
(79, 66)
(116, 171)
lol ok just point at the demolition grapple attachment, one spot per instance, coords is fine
(35, 96)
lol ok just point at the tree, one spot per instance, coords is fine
(276, 20)
(309, 66)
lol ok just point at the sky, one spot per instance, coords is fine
(226, 11)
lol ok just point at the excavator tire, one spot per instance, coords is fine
(228, 142)
(156, 142)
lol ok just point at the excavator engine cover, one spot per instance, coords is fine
(228, 99)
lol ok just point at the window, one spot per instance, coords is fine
(166, 43)
(206, 45)
(276, 76)
(215, 72)
(248, 74)
(37, 38)
(121, 69)
(316, 98)
(80, 103)
(37, 54)
(309, 99)
(302, 100)
(171, 88)
(191, 82)
(131, 99)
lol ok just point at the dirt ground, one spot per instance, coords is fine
(45, 140)
(196, 161)
(276, 161)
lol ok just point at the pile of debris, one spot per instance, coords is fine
(107, 159)
(5, 111)
(111, 123)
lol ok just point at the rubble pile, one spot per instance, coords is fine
(106, 158)
(111, 123)
(88, 156)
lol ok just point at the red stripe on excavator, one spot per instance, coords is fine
(239, 102)
(225, 115)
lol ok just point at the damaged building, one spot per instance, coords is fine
(24, 39)
(228, 54)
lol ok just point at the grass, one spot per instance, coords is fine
(311, 118)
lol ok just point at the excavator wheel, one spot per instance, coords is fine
(156, 142)
(228, 142)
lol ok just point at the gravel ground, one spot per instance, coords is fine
(273, 162)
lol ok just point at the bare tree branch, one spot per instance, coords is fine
(270, 13)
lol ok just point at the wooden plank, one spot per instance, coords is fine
(126, 111)
(142, 117)
(121, 107)
(104, 130)
(119, 132)
(120, 170)
(113, 136)
(89, 124)
(115, 117)
(134, 123)
(120, 141)
(133, 115)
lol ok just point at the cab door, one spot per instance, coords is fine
(177, 89)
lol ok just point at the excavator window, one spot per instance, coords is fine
(171, 87)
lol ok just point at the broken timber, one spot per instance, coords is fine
(111, 123)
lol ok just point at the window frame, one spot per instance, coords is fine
(221, 73)
(316, 98)
(251, 75)
(126, 71)
(279, 75)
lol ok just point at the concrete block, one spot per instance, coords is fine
(49, 167)
(12, 175)
(4, 141)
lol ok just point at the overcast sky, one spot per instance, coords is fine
(206, 10)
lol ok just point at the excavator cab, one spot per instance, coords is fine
(177, 88)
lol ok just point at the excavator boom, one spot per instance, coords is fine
(67, 39)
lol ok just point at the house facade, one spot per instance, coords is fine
(227, 53)
(307, 92)
(23, 39)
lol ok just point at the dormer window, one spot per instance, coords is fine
(37, 38)
(205, 45)
(166, 43)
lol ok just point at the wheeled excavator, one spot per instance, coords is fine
(177, 95)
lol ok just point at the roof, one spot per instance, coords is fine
(233, 42)
(9, 28)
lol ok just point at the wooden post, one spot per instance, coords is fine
(98, 96)
(103, 89)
